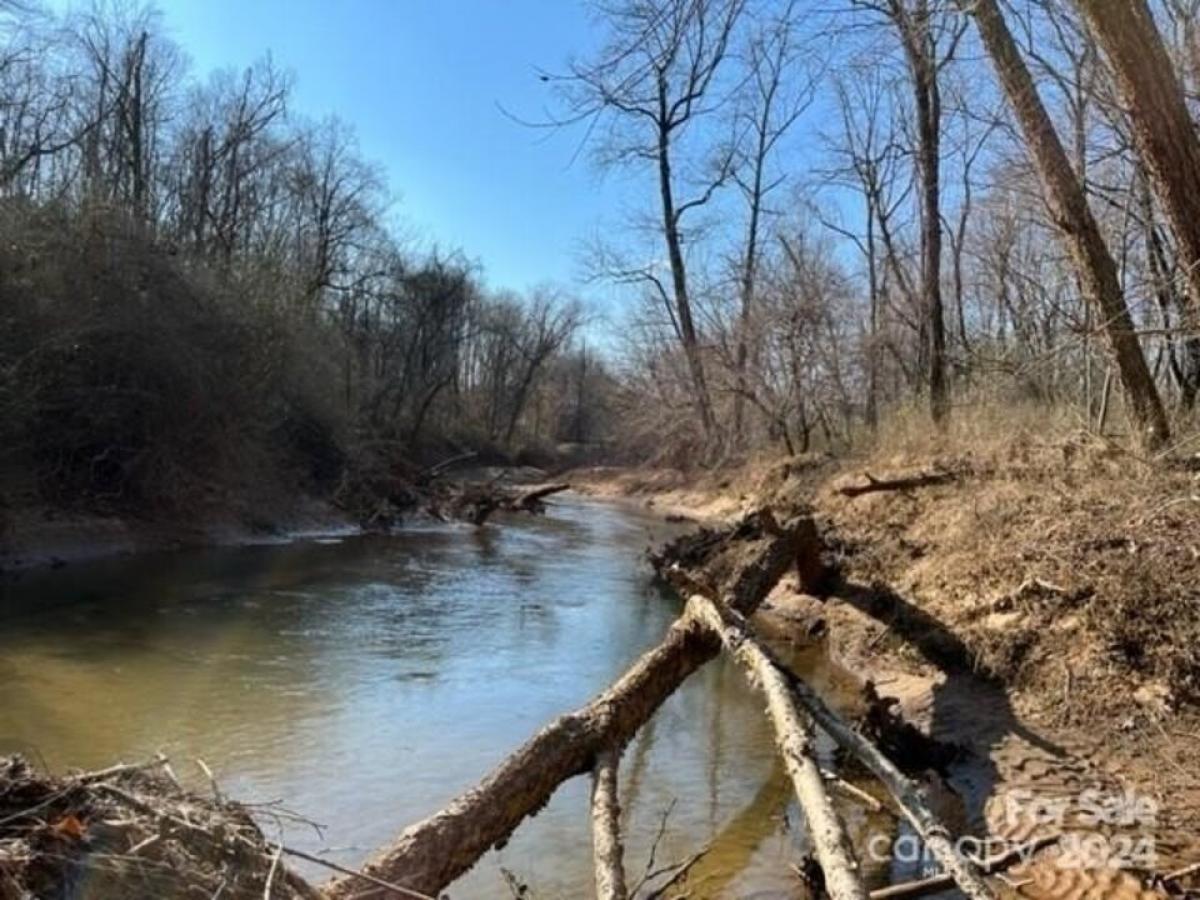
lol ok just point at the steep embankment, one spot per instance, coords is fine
(1039, 604)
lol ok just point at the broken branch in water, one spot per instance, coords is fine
(794, 736)
(874, 804)
(679, 871)
(354, 873)
(925, 479)
(998, 863)
(906, 793)
(650, 872)
(531, 499)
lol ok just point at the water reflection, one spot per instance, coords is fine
(367, 681)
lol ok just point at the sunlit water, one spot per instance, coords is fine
(364, 682)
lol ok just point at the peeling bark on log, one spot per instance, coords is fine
(430, 854)
(873, 484)
(606, 829)
(794, 736)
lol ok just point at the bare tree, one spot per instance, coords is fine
(224, 145)
(871, 160)
(1095, 266)
(1162, 127)
(772, 107)
(334, 190)
(929, 35)
(647, 87)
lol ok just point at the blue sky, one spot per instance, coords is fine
(420, 81)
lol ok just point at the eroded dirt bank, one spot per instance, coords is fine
(1037, 605)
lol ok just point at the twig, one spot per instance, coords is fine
(1182, 873)
(212, 780)
(354, 873)
(143, 844)
(123, 769)
(649, 871)
(433, 471)
(681, 868)
(49, 801)
(271, 872)
(1162, 507)
(872, 803)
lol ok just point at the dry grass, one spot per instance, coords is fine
(1056, 554)
(1057, 557)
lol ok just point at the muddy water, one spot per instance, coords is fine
(364, 681)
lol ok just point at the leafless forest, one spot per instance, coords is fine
(853, 208)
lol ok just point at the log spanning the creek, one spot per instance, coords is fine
(432, 853)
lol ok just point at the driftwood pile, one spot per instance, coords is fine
(130, 832)
(380, 497)
(475, 502)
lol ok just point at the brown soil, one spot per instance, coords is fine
(1042, 608)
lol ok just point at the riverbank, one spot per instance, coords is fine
(1033, 599)
(39, 538)
(44, 536)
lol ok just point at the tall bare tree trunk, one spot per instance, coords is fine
(749, 265)
(683, 303)
(928, 125)
(921, 54)
(1162, 128)
(873, 339)
(1069, 208)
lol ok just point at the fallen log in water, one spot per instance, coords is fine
(430, 854)
(476, 502)
(736, 633)
(794, 736)
(906, 792)
(1022, 853)
(606, 829)
(532, 499)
